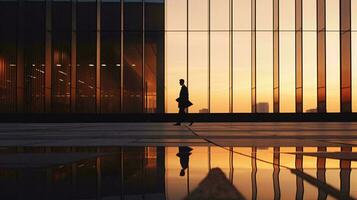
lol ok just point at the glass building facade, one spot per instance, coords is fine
(237, 56)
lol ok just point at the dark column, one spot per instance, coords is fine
(20, 58)
(48, 57)
(345, 55)
(321, 56)
(345, 174)
(299, 180)
(74, 58)
(298, 57)
(276, 183)
(276, 56)
(254, 173)
(253, 57)
(321, 172)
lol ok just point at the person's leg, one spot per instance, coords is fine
(181, 114)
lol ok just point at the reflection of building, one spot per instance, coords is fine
(312, 110)
(102, 56)
(124, 173)
(263, 107)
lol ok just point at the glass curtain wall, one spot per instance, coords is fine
(262, 55)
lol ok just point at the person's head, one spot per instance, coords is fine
(182, 172)
(182, 81)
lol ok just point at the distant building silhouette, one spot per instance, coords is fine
(263, 107)
(311, 110)
(203, 110)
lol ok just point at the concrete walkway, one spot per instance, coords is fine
(164, 134)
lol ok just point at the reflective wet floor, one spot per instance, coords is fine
(173, 172)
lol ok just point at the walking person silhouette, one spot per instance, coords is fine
(183, 103)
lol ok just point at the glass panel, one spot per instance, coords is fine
(264, 71)
(110, 15)
(219, 72)
(86, 56)
(309, 15)
(61, 55)
(86, 15)
(354, 71)
(154, 15)
(154, 64)
(242, 14)
(110, 70)
(264, 14)
(198, 71)
(176, 15)
(219, 15)
(309, 57)
(110, 56)
(309, 72)
(287, 71)
(133, 72)
(242, 72)
(176, 56)
(86, 72)
(133, 15)
(61, 71)
(332, 56)
(34, 56)
(287, 15)
(354, 15)
(198, 15)
(8, 30)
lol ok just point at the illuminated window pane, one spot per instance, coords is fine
(287, 72)
(354, 54)
(198, 15)
(176, 67)
(198, 71)
(219, 72)
(309, 72)
(86, 71)
(354, 15)
(110, 68)
(332, 56)
(133, 72)
(242, 72)
(176, 15)
(264, 71)
(219, 14)
(287, 15)
(154, 64)
(242, 14)
(309, 56)
(309, 15)
(264, 14)
(354, 70)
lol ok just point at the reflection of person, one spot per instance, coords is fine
(183, 103)
(184, 155)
